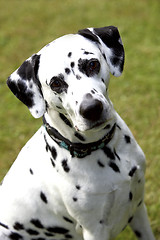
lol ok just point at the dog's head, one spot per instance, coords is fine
(71, 76)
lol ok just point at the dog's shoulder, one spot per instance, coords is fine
(127, 145)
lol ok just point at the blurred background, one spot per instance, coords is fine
(27, 25)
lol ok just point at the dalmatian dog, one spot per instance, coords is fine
(81, 176)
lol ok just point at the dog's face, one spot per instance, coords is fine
(71, 76)
(75, 81)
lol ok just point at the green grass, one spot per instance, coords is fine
(26, 26)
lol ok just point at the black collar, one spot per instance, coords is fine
(78, 150)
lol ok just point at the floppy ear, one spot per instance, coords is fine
(25, 85)
(110, 44)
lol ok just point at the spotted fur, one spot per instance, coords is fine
(81, 176)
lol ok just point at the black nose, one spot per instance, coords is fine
(91, 109)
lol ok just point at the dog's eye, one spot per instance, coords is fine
(93, 67)
(89, 67)
(58, 84)
(55, 83)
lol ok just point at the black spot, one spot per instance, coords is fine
(18, 226)
(31, 171)
(116, 155)
(130, 219)
(53, 152)
(37, 223)
(32, 232)
(118, 126)
(58, 230)
(127, 139)
(67, 220)
(21, 91)
(114, 167)
(104, 56)
(47, 105)
(65, 165)
(69, 54)
(95, 90)
(132, 171)
(109, 153)
(130, 196)
(65, 120)
(79, 136)
(101, 221)
(68, 236)
(49, 234)
(72, 64)
(47, 145)
(75, 199)
(43, 197)
(89, 35)
(35, 64)
(58, 107)
(86, 53)
(102, 80)
(25, 71)
(92, 91)
(78, 187)
(3, 225)
(67, 70)
(139, 203)
(51, 149)
(100, 164)
(78, 77)
(15, 236)
(138, 234)
(53, 163)
(38, 238)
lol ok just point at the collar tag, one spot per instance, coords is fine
(64, 145)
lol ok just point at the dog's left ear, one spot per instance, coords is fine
(110, 44)
(25, 85)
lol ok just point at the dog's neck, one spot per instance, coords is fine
(79, 148)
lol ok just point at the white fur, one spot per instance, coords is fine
(101, 208)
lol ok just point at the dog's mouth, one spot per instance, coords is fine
(94, 126)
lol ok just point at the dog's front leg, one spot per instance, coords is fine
(140, 224)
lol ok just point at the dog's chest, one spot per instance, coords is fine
(98, 188)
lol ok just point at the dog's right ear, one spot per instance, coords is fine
(25, 85)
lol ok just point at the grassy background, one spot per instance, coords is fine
(26, 26)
